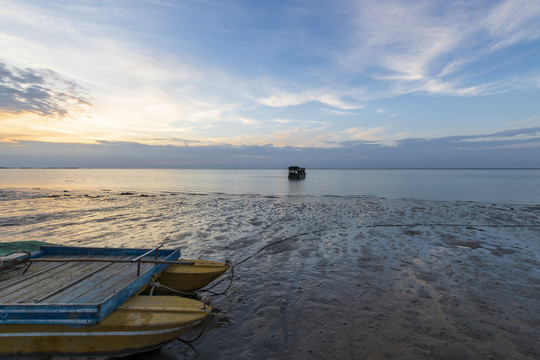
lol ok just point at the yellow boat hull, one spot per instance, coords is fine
(142, 323)
(189, 278)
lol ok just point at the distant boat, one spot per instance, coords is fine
(77, 301)
(297, 172)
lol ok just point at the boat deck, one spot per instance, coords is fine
(67, 282)
(75, 285)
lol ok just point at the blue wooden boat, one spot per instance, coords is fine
(77, 285)
(72, 301)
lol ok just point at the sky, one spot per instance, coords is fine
(267, 84)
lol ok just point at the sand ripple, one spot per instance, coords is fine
(326, 277)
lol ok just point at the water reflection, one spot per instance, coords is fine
(513, 186)
(296, 187)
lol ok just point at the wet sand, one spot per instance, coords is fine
(325, 277)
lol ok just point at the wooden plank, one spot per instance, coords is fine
(99, 281)
(7, 272)
(26, 289)
(18, 274)
(68, 287)
(125, 275)
(38, 288)
(81, 277)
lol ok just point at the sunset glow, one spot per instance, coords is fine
(318, 75)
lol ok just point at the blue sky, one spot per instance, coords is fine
(265, 84)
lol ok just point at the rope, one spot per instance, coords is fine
(188, 342)
(155, 284)
(390, 225)
(275, 243)
(231, 277)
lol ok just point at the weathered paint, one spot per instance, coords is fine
(188, 278)
(142, 323)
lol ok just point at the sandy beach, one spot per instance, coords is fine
(324, 277)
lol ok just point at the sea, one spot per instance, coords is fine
(507, 186)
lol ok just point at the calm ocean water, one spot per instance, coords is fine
(495, 186)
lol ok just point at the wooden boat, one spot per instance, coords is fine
(65, 301)
(297, 172)
(190, 276)
(142, 323)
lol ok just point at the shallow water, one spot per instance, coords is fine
(491, 186)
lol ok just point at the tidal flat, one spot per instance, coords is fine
(324, 277)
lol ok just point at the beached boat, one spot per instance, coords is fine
(72, 301)
(141, 324)
(191, 275)
(297, 172)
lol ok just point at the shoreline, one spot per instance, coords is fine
(12, 193)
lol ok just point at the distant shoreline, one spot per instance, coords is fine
(314, 168)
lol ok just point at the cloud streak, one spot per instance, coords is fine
(200, 74)
(516, 152)
(418, 45)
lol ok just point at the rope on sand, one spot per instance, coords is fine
(231, 276)
(205, 300)
(188, 342)
(275, 243)
(472, 226)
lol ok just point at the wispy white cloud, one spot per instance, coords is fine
(532, 120)
(283, 98)
(247, 121)
(360, 133)
(401, 39)
(386, 112)
(418, 45)
(500, 137)
(338, 112)
(322, 136)
(292, 121)
(512, 22)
